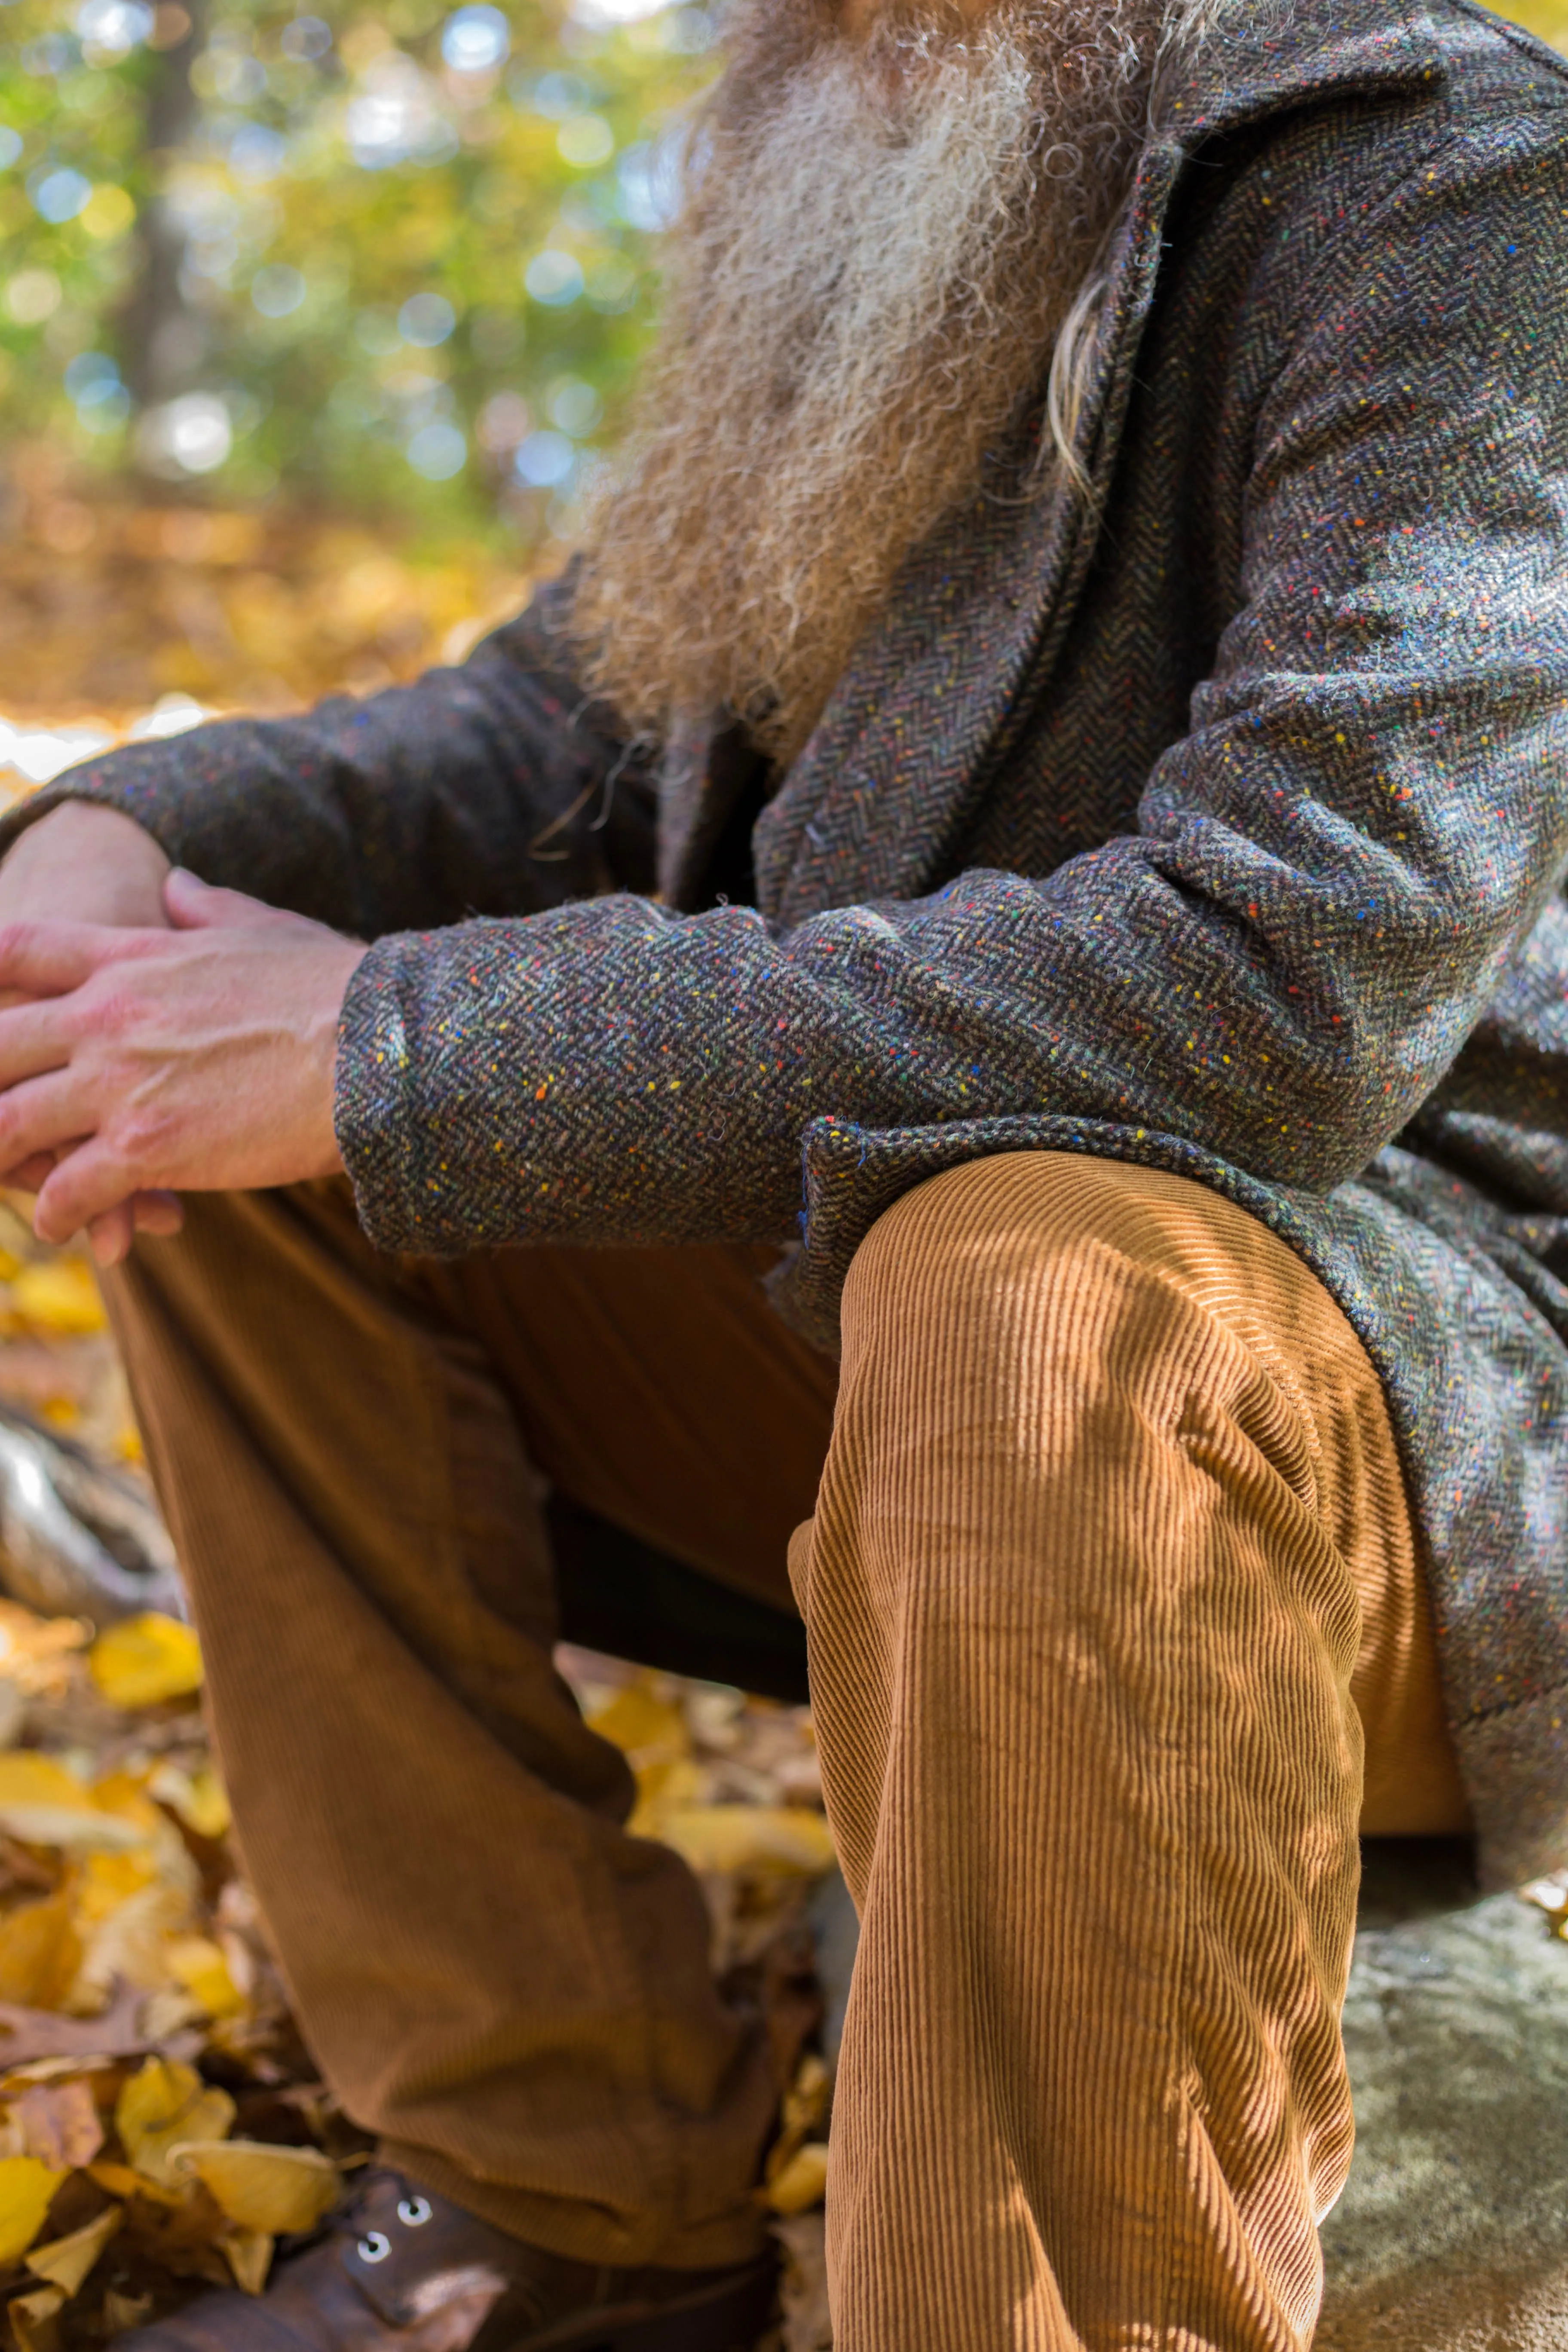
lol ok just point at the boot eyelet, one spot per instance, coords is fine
(413, 2212)
(375, 2248)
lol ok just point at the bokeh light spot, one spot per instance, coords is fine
(648, 181)
(502, 423)
(108, 212)
(92, 381)
(51, 53)
(306, 39)
(257, 153)
(574, 405)
(438, 450)
(425, 319)
(544, 460)
(553, 277)
(558, 95)
(476, 40)
(59, 195)
(599, 13)
(114, 27)
(277, 290)
(192, 434)
(90, 375)
(33, 295)
(586, 139)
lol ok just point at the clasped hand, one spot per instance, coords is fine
(137, 1062)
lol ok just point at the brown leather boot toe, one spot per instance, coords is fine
(407, 2271)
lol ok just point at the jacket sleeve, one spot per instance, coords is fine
(1330, 871)
(491, 788)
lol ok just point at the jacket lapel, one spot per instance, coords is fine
(881, 796)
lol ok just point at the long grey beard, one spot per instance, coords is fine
(879, 249)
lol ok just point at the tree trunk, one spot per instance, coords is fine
(163, 339)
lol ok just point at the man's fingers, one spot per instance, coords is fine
(32, 1041)
(160, 1212)
(110, 1236)
(86, 1184)
(28, 1174)
(40, 1117)
(193, 905)
(48, 959)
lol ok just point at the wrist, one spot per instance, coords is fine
(98, 864)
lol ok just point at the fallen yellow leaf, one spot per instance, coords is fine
(123, 2312)
(788, 1839)
(642, 1725)
(164, 2104)
(27, 2191)
(125, 1794)
(667, 1785)
(82, 1830)
(198, 1797)
(197, 1963)
(32, 2319)
(43, 1804)
(26, 1778)
(109, 1880)
(66, 2262)
(60, 1297)
(121, 2181)
(261, 2187)
(801, 2109)
(803, 2183)
(145, 1659)
(40, 1951)
(248, 2254)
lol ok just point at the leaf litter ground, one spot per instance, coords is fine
(163, 2126)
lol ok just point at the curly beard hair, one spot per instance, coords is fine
(881, 244)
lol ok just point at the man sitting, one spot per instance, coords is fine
(1058, 732)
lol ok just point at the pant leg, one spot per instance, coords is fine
(513, 1993)
(1109, 1487)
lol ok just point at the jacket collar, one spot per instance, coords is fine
(884, 790)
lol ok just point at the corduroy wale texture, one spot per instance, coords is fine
(1225, 837)
(1116, 1621)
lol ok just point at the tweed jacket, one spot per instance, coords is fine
(1224, 834)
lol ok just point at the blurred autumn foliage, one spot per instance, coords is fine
(311, 326)
(111, 601)
(393, 254)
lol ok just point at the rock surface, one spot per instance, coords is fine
(1452, 2236)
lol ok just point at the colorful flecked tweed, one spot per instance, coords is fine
(1227, 839)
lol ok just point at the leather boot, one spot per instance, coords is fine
(406, 2271)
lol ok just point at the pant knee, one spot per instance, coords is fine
(1044, 1323)
(981, 1259)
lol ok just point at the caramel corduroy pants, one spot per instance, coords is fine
(1115, 1629)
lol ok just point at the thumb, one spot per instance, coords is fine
(193, 905)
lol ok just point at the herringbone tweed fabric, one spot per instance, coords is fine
(1226, 838)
